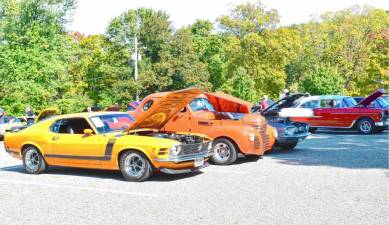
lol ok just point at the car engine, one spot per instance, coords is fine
(183, 138)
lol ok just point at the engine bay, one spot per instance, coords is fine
(183, 138)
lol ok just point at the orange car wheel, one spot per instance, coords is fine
(225, 152)
(135, 166)
(33, 161)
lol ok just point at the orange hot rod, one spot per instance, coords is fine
(247, 134)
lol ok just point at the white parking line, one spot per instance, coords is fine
(75, 188)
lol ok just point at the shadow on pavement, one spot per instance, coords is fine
(101, 174)
(346, 151)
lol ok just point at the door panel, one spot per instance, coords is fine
(334, 117)
(78, 148)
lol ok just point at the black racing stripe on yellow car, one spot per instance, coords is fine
(107, 155)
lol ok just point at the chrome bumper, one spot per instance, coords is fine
(181, 171)
(183, 158)
(382, 123)
(292, 138)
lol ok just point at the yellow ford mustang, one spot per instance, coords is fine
(113, 141)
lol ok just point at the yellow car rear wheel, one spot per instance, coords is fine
(33, 160)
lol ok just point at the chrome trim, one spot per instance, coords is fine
(357, 113)
(184, 158)
(296, 135)
(182, 171)
(172, 171)
(352, 124)
(382, 123)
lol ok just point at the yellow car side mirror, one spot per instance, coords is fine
(88, 131)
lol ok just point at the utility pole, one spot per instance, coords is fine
(136, 65)
(135, 55)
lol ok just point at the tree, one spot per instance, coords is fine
(240, 85)
(322, 80)
(210, 50)
(34, 53)
(249, 18)
(351, 40)
(181, 65)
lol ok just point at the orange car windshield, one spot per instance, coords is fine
(112, 123)
(201, 104)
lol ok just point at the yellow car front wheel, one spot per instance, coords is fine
(135, 166)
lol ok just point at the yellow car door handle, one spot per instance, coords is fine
(54, 138)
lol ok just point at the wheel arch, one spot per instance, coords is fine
(124, 150)
(230, 139)
(27, 144)
(356, 121)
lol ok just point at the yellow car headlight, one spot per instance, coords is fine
(175, 150)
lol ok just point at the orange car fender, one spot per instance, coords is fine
(239, 136)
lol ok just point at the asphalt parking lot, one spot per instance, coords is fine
(330, 178)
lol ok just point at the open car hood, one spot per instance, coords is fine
(46, 113)
(164, 109)
(285, 102)
(227, 103)
(373, 96)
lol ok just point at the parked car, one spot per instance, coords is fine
(113, 141)
(289, 132)
(9, 123)
(131, 106)
(379, 103)
(247, 134)
(336, 111)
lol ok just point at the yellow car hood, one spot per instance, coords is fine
(46, 113)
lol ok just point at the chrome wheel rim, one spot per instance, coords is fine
(222, 152)
(32, 159)
(365, 126)
(134, 165)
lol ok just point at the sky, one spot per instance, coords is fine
(93, 16)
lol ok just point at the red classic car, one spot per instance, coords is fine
(334, 111)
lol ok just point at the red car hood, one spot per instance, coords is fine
(227, 103)
(369, 99)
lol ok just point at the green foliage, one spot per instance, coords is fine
(249, 18)
(34, 54)
(240, 85)
(248, 55)
(354, 41)
(323, 80)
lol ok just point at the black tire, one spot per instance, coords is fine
(254, 157)
(312, 129)
(142, 170)
(33, 161)
(366, 126)
(284, 147)
(225, 152)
